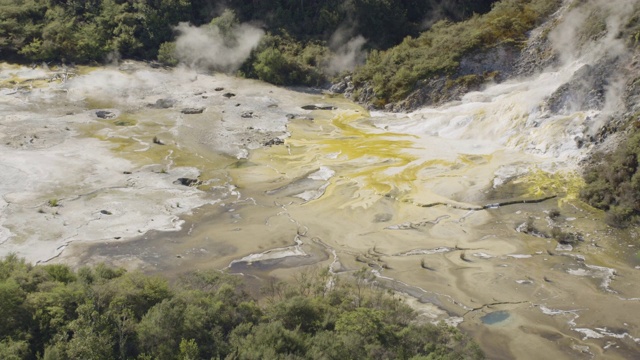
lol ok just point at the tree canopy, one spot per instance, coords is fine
(85, 31)
(52, 312)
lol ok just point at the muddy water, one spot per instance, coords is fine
(449, 206)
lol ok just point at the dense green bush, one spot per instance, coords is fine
(613, 183)
(280, 60)
(167, 54)
(51, 312)
(88, 30)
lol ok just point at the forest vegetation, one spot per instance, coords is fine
(83, 31)
(405, 40)
(299, 33)
(52, 312)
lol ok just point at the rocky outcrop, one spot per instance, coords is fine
(587, 88)
(344, 86)
(499, 60)
(631, 97)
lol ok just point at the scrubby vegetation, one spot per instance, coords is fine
(394, 73)
(613, 183)
(52, 312)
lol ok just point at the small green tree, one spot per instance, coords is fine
(167, 54)
(13, 350)
(226, 23)
(188, 350)
(272, 66)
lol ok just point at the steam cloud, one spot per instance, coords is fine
(569, 41)
(207, 47)
(566, 37)
(347, 51)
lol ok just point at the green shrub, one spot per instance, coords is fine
(273, 67)
(282, 61)
(563, 237)
(167, 54)
(613, 183)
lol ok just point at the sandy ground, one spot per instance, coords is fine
(68, 175)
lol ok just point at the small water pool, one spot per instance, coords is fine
(495, 317)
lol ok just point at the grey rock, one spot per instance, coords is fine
(499, 59)
(104, 114)
(299, 117)
(345, 86)
(319, 107)
(586, 90)
(187, 182)
(163, 103)
(192, 111)
(276, 141)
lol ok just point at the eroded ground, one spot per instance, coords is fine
(172, 171)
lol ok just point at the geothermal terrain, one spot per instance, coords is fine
(170, 170)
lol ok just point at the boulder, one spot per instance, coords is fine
(104, 114)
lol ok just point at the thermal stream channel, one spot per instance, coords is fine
(430, 201)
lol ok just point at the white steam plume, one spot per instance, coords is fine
(567, 38)
(346, 51)
(570, 43)
(207, 47)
